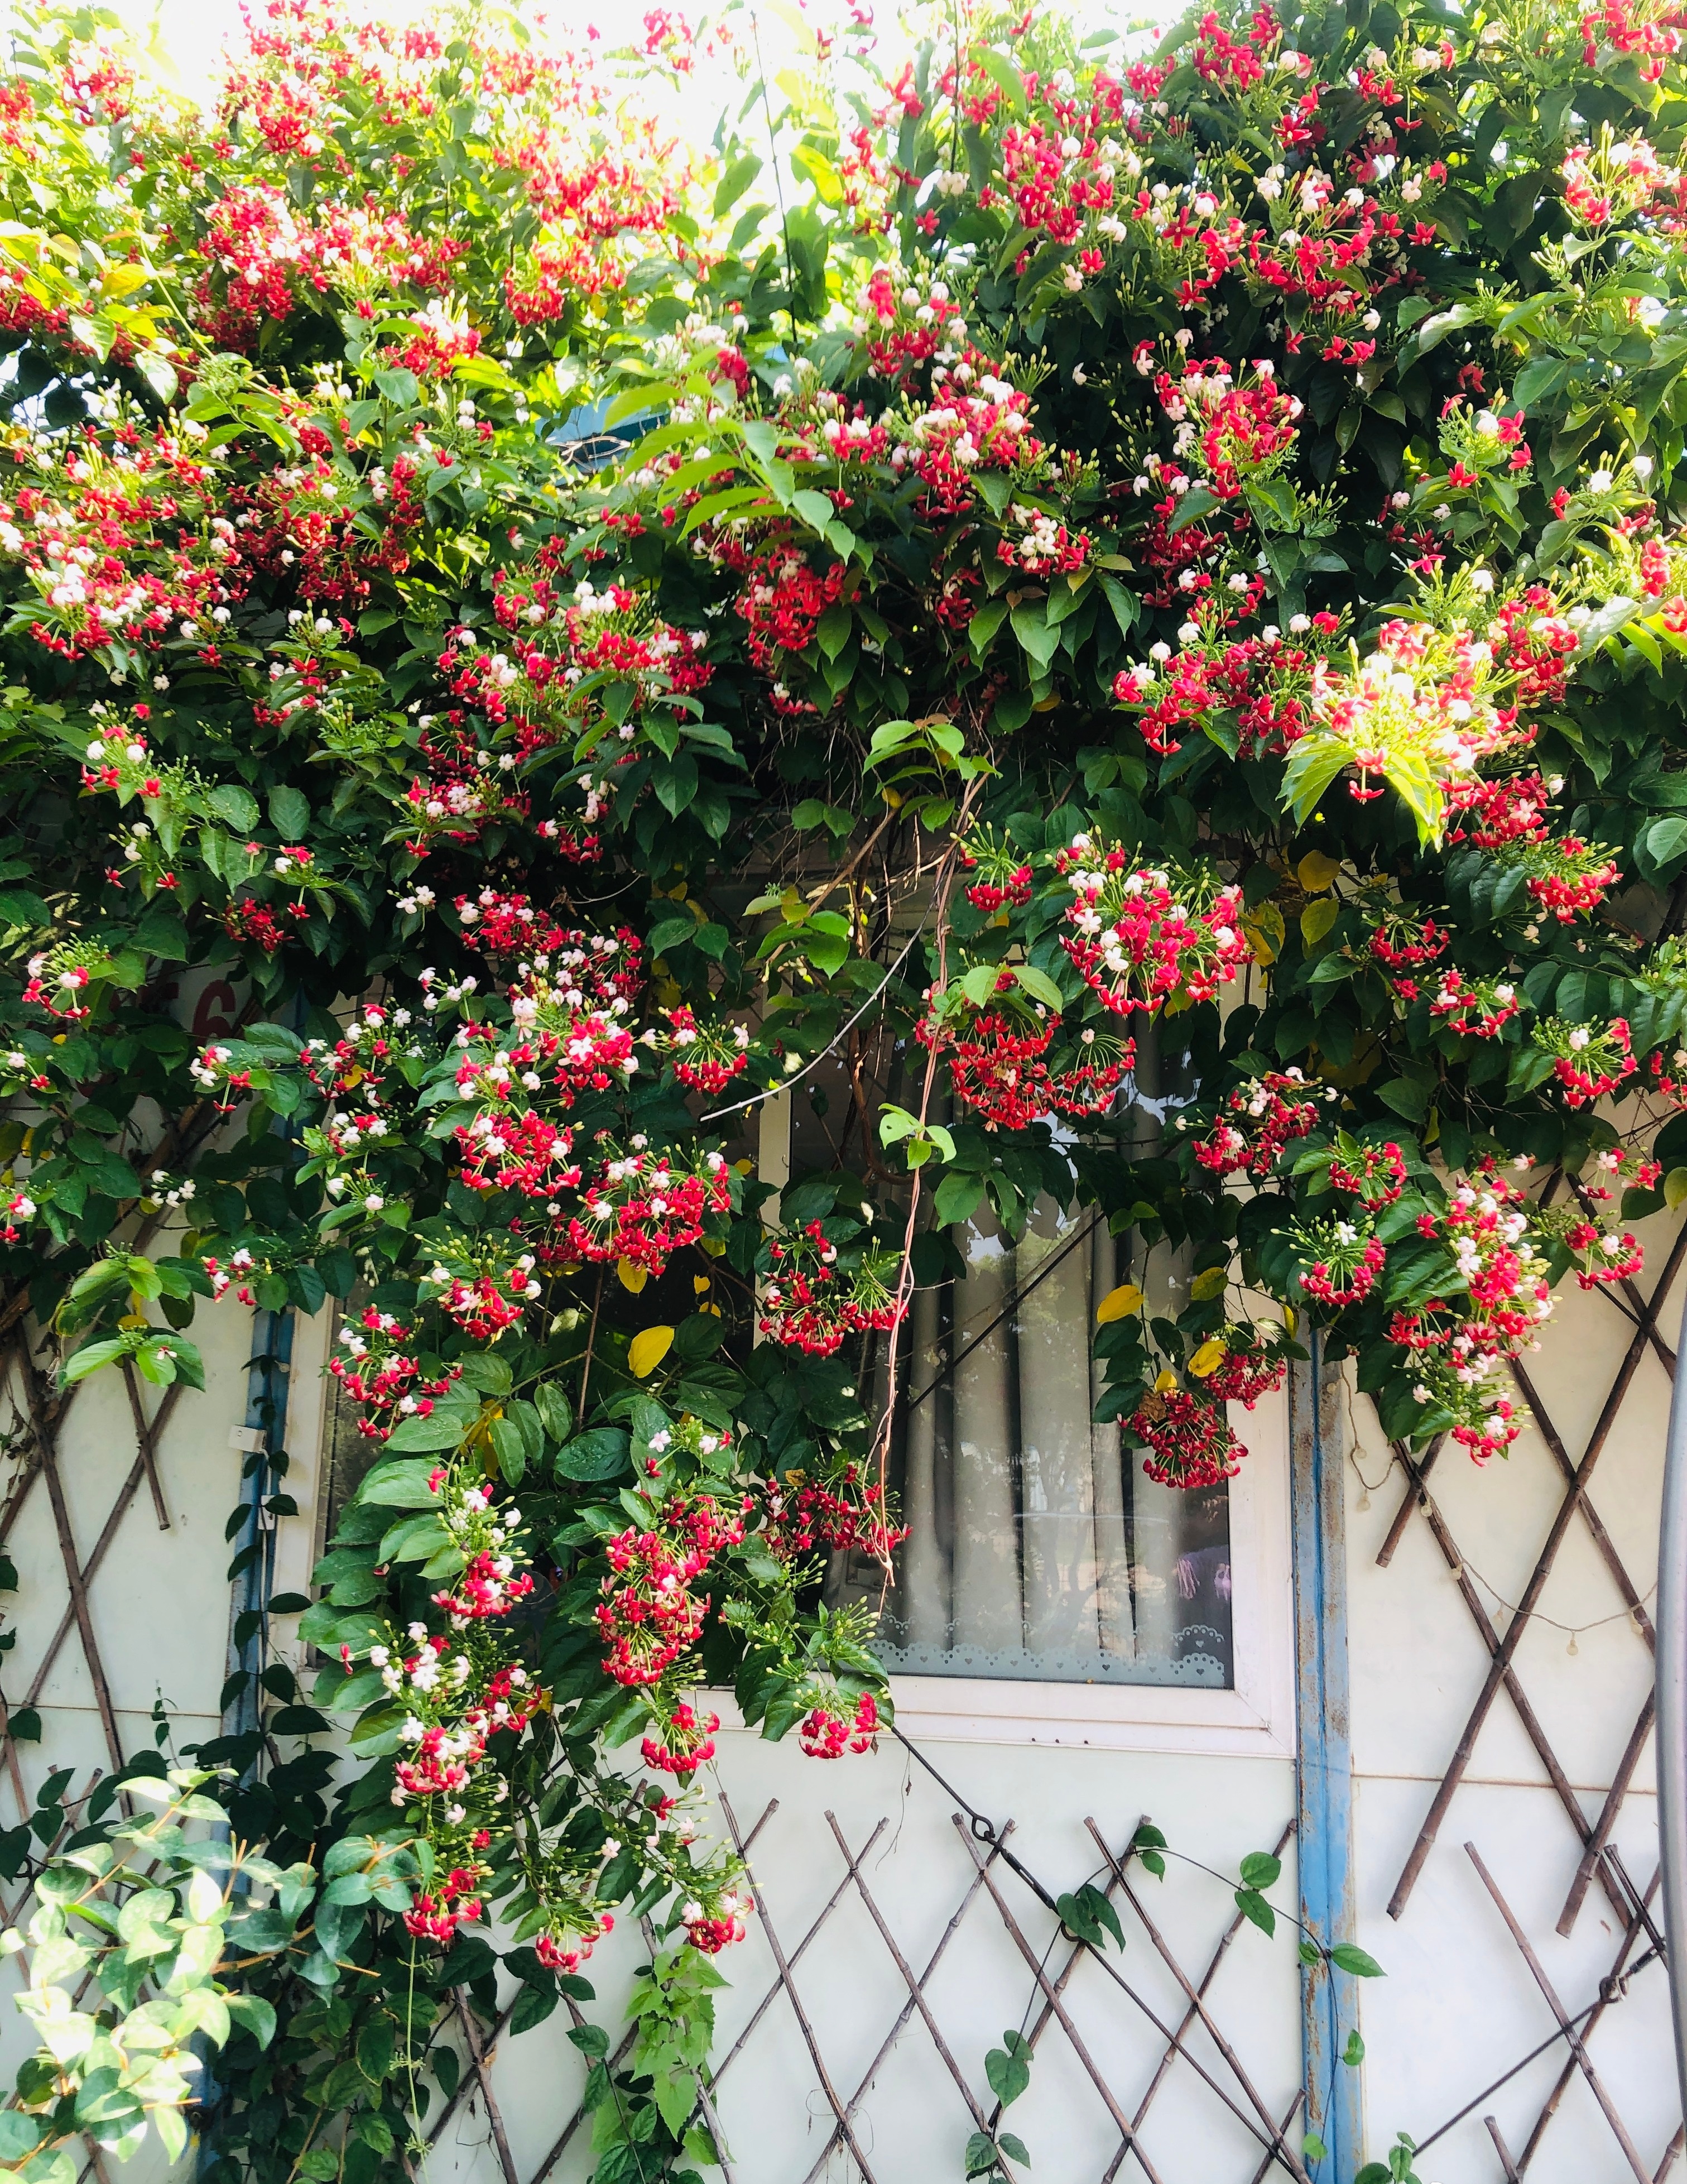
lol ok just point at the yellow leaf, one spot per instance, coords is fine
(1118, 1304)
(892, 797)
(1208, 1358)
(1290, 1321)
(1317, 917)
(716, 1246)
(1316, 872)
(1166, 1385)
(699, 1283)
(1211, 1282)
(1675, 1188)
(132, 1319)
(632, 1276)
(1264, 928)
(649, 1348)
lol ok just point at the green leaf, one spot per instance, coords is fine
(445, 1427)
(1406, 1096)
(253, 2014)
(289, 812)
(510, 1445)
(1035, 637)
(1039, 985)
(1008, 2074)
(402, 1485)
(20, 2135)
(600, 1454)
(235, 804)
(533, 2005)
(1665, 840)
(1252, 1905)
(91, 1357)
(555, 1414)
(1350, 1958)
(1260, 1869)
(22, 906)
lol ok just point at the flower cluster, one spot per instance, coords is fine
(824, 1733)
(1342, 1261)
(812, 1302)
(704, 1055)
(382, 1373)
(848, 1513)
(1588, 1060)
(1493, 1297)
(1187, 1437)
(1258, 1122)
(1482, 1007)
(1252, 1364)
(1141, 934)
(643, 1205)
(647, 1614)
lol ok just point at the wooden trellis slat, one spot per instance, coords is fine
(1599, 1859)
(1577, 2040)
(1533, 1727)
(985, 1874)
(1194, 1996)
(845, 2126)
(1570, 1507)
(1611, 1988)
(906, 2011)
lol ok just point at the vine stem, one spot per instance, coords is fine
(904, 1280)
(591, 1339)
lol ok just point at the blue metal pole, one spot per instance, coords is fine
(1324, 1771)
(266, 1422)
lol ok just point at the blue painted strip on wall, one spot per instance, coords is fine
(266, 1411)
(1324, 1775)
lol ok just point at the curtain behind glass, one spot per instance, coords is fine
(1037, 1547)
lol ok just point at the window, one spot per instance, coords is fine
(1048, 1591)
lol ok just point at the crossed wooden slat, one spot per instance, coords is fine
(1503, 1647)
(1049, 1980)
(1598, 1861)
(1576, 2036)
(46, 1414)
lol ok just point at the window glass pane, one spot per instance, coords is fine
(1037, 1547)
(347, 1454)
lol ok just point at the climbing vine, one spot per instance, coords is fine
(1026, 542)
